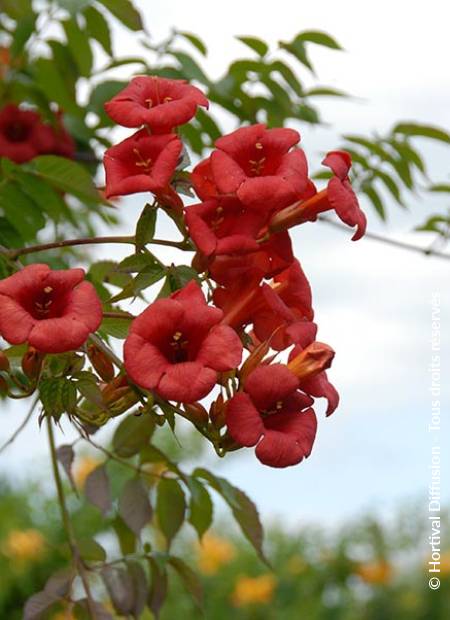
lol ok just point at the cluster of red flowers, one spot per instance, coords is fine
(23, 135)
(253, 188)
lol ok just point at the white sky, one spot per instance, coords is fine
(372, 302)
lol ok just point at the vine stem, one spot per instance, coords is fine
(403, 245)
(130, 239)
(21, 426)
(67, 522)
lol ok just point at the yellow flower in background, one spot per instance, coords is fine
(83, 467)
(253, 590)
(445, 563)
(63, 615)
(24, 545)
(376, 573)
(213, 553)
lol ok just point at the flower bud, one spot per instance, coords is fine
(3, 387)
(217, 412)
(101, 363)
(4, 362)
(311, 361)
(197, 414)
(32, 363)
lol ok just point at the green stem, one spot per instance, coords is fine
(67, 523)
(13, 254)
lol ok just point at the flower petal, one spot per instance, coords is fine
(268, 385)
(15, 322)
(227, 173)
(58, 335)
(243, 420)
(144, 363)
(186, 382)
(84, 305)
(288, 439)
(221, 349)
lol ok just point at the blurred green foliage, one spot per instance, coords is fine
(364, 570)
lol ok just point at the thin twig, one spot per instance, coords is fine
(393, 242)
(22, 425)
(13, 254)
(118, 315)
(78, 561)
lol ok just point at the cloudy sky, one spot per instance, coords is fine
(372, 302)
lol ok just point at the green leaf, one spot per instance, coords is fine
(440, 187)
(375, 199)
(117, 328)
(208, 124)
(243, 509)
(319, 38)
(9, 236)
(298, 50)
(97, 489)
(257, 45)
(120, 589)
(50, 393)
(372, 146)
(132, 434)
(90, 550)
(406, 151)
(127, 539)
(140, 587)
(288, 75)
(145, 278)
(102, 93)
(65, 455)
(158, 585)
(21, 211)
(53, 85)
(125, 12)
(78, 42)
(307, 113)
(24, 30)
(145, 227)
(134, 505)
(74, 6)
(390, 184)
(191, 69)
(200, 507)
(425, 131)
(170, 507)
(436, 223)
(17, 9)
(87, 386)
(67, 68)
(323, 91)
(195, 41)
(45, 197)
(189, 578)
(97, 28)
(66, 175)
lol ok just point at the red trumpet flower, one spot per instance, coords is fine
(339, 196)
(177, 347)
(258, 165)
(273, 415)
(23, 135)
(159, 103)
(141, 163)
(54, 311)
(223, 227)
